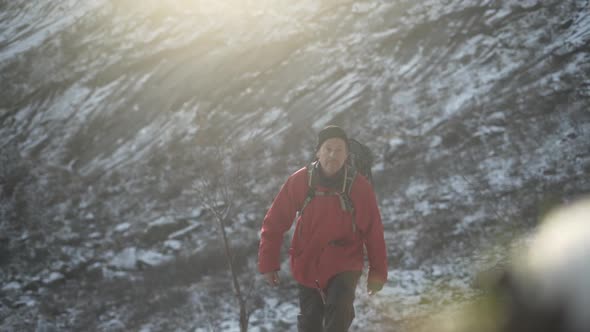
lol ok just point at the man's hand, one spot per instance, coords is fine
(374, 287)
(272, 278)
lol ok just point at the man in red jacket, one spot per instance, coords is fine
(327, 246)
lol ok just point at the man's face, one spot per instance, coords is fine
(332, 155)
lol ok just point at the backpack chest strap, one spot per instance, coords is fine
(345, 203)
(344, 200)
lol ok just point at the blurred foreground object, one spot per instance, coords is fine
(546, 288)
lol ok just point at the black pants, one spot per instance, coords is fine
(337, 314)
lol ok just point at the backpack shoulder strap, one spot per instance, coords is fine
(345, 198)
(310, 186)
(349, 179)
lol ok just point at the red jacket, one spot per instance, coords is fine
(313, 254)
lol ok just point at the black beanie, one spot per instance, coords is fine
(331, 132)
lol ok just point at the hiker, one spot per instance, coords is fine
(336, 216)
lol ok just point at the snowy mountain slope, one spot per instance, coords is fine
(115, 115)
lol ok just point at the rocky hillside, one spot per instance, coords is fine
(125, 126)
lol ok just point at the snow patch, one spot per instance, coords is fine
(165, 220)
(52, 278)
(122, 227)
(185, 231)
(468, 222)
(12, 286)
(130, 258)
(153, 258)
(173, 244)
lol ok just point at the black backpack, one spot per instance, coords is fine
(360, 160)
